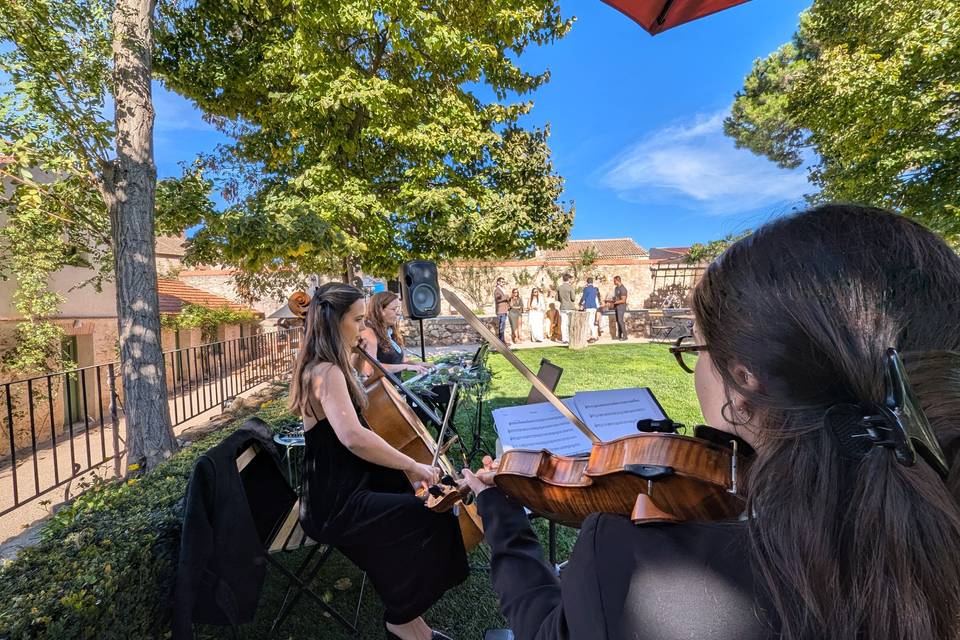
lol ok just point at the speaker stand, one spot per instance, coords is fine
(423, 343)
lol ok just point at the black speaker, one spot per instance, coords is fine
(421, 291)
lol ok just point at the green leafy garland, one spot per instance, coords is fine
(455, 368)
(207, 319)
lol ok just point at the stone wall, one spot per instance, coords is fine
(444, 331)
(454, 330)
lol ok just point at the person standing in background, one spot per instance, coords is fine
(590, 302)
(553, 317)
(516, 316)
(620, 307)
(535, 308)
(568, 305)
(501, 302)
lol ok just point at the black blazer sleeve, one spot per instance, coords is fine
(531, 597)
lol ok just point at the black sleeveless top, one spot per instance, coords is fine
(332, 474)
(388, 354)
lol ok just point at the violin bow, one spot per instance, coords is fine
(503, 350)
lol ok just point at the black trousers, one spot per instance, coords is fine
(621, 310)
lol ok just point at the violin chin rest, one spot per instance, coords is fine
(646, 510)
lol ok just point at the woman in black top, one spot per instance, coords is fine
(849, 532)
(357, 494)
(381, 336)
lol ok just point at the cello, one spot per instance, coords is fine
(648, 477)
(390, 417)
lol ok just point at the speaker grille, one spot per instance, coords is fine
(423, 297)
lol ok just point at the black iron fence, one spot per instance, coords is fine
(62, 425)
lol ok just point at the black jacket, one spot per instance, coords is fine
(623, 581)
(221, 567)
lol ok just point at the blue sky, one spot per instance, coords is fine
(636, 124)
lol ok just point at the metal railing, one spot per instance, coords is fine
(60, 426)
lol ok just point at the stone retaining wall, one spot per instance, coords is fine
(454, 330)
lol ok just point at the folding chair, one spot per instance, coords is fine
(276, 514)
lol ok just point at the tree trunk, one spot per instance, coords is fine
(353, 271)
(579, 330)
(129, 186)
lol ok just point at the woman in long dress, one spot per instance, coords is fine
(536, 315)
(357, 492)
(515, 313)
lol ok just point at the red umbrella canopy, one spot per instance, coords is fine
(659, 15)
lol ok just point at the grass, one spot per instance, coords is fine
(468, 610)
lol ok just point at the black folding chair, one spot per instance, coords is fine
(276, 514)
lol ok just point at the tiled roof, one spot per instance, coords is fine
(668, 253)
(174, 295)
(171, 245)
(612, 248)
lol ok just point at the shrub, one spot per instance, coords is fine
(106, 564)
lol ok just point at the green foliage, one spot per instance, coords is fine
(523, 277)
(358, 131)
(106, 563)
(50, 122)
(709, 251)
(194, 316)
(869, 89)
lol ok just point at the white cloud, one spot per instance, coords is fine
(696, 166)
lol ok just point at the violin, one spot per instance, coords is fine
(649, 477)
(390, 417)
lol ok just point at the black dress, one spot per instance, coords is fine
(371, 515)
(624, 581)
(389, 353)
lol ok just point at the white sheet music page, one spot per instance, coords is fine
(610, 415)
(539, 426)
(614, 413)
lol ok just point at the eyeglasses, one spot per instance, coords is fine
(686, 350)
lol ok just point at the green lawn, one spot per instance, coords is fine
(467, 611)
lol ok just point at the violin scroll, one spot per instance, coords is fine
(298, 303)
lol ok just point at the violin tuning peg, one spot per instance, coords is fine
(435, 491)
(448, 480)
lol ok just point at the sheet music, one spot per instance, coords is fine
(610, 415)
(614, 413)
(539, 426)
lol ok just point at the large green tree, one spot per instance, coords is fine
(367, 131)
(868, 92)
(82, 182)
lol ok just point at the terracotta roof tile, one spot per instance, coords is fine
(171, 245)
(174, 295)
(611, 248)
(668, 253)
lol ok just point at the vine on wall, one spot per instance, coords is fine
(194, 316)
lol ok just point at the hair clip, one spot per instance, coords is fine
(899, 424)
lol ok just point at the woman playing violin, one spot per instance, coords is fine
(849, 533)
(381, 336)
(357, 491)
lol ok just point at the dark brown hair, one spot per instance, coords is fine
(809, 304)
(322, 343)
(379, 302)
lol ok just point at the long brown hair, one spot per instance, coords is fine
(809, 304)
(379, 302)
(322, 343)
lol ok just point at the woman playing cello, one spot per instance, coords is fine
(852, 525)
(357, 493)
